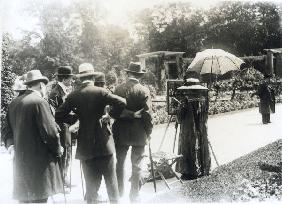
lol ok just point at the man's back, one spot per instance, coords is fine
(133, 131)
(89, 102)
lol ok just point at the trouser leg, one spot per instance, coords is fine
(121, 151)
(93, 177)
(268, 118)
(136, 177)
(109, 172)
(264, 118)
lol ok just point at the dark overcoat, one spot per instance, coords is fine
(267, 99)
(37, 147)
(56, 98)
(89, 102)
(133, 131)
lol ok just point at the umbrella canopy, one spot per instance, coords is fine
(214, 61)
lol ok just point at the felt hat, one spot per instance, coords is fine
(135, 67)
(35, 75)
(100, 77)
(64, 71)
(86, 69)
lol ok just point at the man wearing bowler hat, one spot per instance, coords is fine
(33, 132)
(132, 132)
(56, 98)
(94, 149)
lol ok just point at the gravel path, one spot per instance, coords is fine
(232, 135)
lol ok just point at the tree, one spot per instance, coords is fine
(7, 78)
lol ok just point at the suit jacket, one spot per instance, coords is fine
(56, 98)
(267, 99)
(128, 131)
(89, 102)
(34, 134)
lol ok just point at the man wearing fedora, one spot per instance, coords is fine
(94, 149)
(56, 98)
(132, 132)
(36, 140)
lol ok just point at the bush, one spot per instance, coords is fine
(7, 79)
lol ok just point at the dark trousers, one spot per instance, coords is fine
(136, 177)
(265, 118)
(93, 170)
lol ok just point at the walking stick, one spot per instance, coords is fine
(213, 154)
(152, 167)
(82, 183)
(62, 177)
(165, 133)
(70, 164)
(176, 127)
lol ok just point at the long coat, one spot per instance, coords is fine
(133, 131)
(56, 98)
(89, 102)
(267, 99)
(37, 147)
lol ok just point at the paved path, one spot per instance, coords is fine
(232, 135)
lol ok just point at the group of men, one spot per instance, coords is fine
(39, 128)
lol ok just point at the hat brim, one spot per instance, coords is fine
(45, 80)
(86, 74)
(127, 70)
(64, 74)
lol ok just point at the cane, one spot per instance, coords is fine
(70, 164)
(176, 127)
(152, 167)
(213, 154)
(82, 183)
(62, 177)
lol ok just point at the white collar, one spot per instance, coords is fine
(88, 82)
(63, 86)
(133, 79)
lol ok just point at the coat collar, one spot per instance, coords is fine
(63, 87)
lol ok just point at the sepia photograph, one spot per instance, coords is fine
(141, 101)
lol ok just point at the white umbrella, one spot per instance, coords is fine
(214, 61)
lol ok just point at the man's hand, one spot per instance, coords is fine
(106, 118)
(138, 114)
(11, 150)
(74, 128)
(61, 151)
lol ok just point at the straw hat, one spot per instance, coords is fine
(35, 75)
(85, 69)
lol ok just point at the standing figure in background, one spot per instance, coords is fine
(56, 98)
(33, 132)
(267, 99)
(193, 137)
(132, 132)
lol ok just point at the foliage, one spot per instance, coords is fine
(242, 28)
(7, 78)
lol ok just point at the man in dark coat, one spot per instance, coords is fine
(33, 132)
(132, 132)
(267, 99)
(56, 98)
(94, 149)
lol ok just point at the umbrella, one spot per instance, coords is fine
(214, 61)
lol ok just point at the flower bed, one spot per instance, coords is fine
(223, 104)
